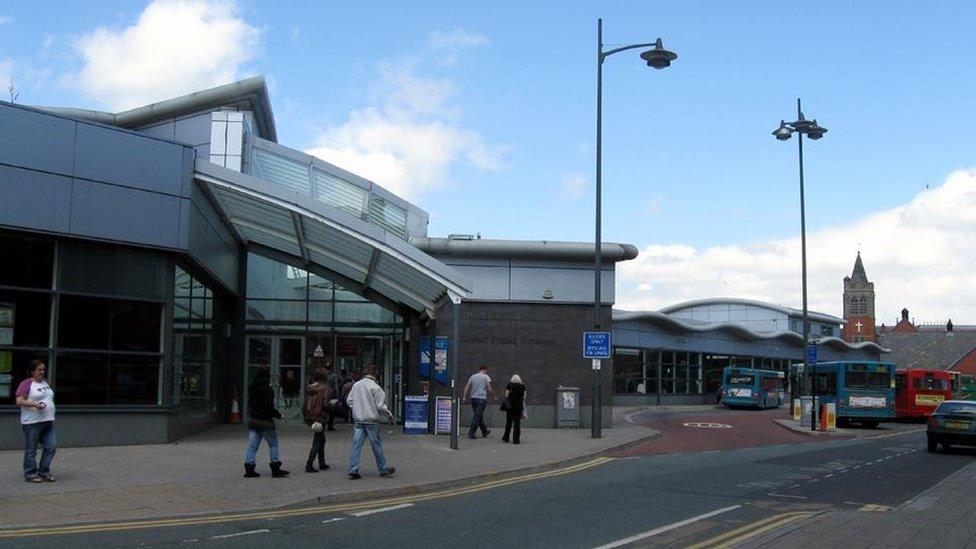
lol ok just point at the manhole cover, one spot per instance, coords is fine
(698, 425)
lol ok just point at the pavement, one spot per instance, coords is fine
(942, 516)
(202, 474)
(882, 429)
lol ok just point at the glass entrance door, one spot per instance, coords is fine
(283, 355)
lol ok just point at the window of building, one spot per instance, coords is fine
(628, 371)
(28, 262)
(194, 337)
(110, 324)
(107, 378)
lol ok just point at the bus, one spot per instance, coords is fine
(862, 392)
(748, 387)
(918, 392)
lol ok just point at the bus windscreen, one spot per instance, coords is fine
(867, 380)
(930, 383)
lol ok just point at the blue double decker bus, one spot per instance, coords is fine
(748, 387)
(862, 392)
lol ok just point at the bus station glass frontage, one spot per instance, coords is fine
(669, 372)
(297, 321)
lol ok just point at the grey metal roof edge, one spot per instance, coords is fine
(253, 89)
(549, 249)
(789, 311)
(661, 318)
(336, 216)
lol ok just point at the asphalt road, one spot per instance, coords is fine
(679, 497)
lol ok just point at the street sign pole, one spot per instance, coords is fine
(596, 346)
(813, 356)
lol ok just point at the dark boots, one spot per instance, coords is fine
(249, 471)
(277, 471)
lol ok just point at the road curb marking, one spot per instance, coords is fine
(285, 513)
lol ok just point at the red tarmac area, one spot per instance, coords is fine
(719, 430)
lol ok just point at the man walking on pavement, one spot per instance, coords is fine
(480, 386)
(367, 404)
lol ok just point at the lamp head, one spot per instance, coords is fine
(816, 131)
(658, 57)
(782, 132)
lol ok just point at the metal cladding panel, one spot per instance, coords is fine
(270, 240)
(342, 244)
(128, 215)
(402, 274)
(124, 158)
(194, 130)
(337, 264)
(493, 283)
(34, 200)
(572, 285)
(35, 140)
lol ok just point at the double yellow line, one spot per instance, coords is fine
(283, 513)
(739, 535)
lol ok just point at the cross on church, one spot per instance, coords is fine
(858, 325)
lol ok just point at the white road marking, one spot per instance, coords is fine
(668, 528)
(337, 519)
(838, 472)
(381, 510)
(248, 533)
(778, 495)
(825, 476)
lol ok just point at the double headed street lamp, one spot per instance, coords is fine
(657, 58)
(814, 131)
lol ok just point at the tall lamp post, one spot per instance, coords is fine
(814, 131)
(657, 58)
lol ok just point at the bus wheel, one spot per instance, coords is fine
(933, 445)
(945, 446)
(870, 424)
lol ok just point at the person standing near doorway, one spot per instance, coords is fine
(36, 400)
(261, 413)
(319, 401)
(367, 404)
(478, 389)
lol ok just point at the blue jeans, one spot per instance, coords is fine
(361, 432)
(42, 432)
(478, 419)
(254, 441)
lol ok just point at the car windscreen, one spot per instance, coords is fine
(964, 408)
(930, 383)
(741, 380)
(867, 380)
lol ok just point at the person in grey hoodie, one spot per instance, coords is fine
(367, 403)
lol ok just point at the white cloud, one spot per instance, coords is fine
(410, 138)
(5, 19)
(653, 206)
(573, 186)
(175, 47)
(449, 44)
(919, 255)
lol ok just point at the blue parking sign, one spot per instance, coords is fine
(813, 354)
(596, 344)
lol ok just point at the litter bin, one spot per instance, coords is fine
(567, 407)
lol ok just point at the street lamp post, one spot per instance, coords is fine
(658, 58)
(814, 131)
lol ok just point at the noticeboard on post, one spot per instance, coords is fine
(442, 416)
(415, 414)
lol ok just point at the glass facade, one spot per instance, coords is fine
(668, 372)
(297, 321)
(98, 315)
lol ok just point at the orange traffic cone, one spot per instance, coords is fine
(235, 410)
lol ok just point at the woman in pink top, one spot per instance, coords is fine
(36, 400)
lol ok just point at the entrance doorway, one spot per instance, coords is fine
(283, 355)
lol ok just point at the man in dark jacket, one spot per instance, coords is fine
(319, 401)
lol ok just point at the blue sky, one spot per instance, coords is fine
(484, 115)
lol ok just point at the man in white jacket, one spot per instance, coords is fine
(367, 402)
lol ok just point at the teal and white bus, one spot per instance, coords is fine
(748, 387)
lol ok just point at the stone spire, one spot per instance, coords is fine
(859, 274)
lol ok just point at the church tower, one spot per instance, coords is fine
(858, 305)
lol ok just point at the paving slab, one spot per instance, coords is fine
(881, 430)
(202, 474)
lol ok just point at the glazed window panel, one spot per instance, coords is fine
(111, 324)
(28, 263)
(25, 318)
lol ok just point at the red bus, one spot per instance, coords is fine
(919, 392)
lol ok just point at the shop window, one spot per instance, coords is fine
(111, 324)
(112, 270)
(25, 318)
(13, 370)
(101, 378)
(27, 263)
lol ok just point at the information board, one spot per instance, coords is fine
(433, 356)
(442, 426)
(596, 345)
(415, 414)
